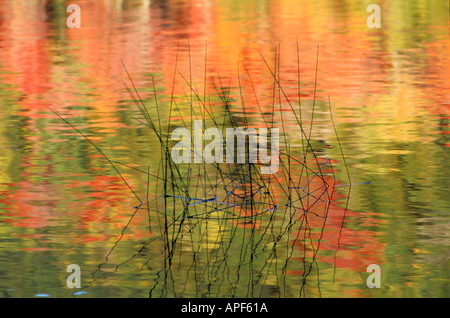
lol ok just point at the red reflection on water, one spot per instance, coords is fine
(324, 226)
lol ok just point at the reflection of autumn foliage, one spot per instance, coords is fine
(149, 38)
(101, 203)
(108, 206)
(437, 74)
(31, 204)
(24, 53)
(438, 84)
(79, 73)
(326, 230)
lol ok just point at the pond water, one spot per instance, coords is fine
(124, 220)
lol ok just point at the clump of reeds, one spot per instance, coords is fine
(226, 230)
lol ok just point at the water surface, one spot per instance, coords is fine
(61, 203)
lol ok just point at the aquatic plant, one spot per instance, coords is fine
(225, 229)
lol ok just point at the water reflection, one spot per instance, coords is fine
(62, 204)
